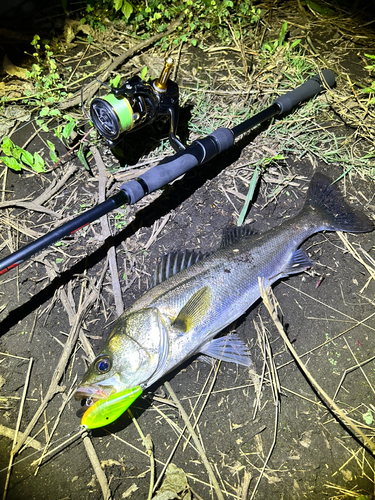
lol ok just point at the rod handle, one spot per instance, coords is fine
(307, 90)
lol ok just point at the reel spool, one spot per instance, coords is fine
(136, 104)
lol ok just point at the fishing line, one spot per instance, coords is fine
(78, 433)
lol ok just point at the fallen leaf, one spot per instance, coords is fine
(13, 70)
(306, 439)
(174, 486)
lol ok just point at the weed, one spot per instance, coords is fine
(64, 132)
(370, 90)
(121, 219)
(271, 47)
(150, 16)
(19, 159)
(45, 78)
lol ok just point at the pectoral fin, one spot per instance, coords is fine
(194, 310)
(229, 348)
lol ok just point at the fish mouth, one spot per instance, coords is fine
(93, 392)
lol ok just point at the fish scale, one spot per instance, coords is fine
(195, 296)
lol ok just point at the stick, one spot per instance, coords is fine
(17, 427)
(148, 444)
(10, 433)
(111, 252)
(270, 304)
(102, 478)
(36, 204)
(196, 442)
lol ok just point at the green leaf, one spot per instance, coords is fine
(7, 146)
(295, 43)
(39, 165)
(44, 111)
(68, 129)
(58, 132)
(282, 34)
(11, 163)
(17, 152)
(27, 158)
(82, 159)
(115, 81)
(53, 156)
(367, 417)
(52, 153)
(117, 4)
(51, 145)
(55, 112)
(127, 10)
(144, 72)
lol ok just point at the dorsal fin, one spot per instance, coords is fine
(235, 233)
(174, 262)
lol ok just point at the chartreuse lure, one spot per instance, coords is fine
(105, 411)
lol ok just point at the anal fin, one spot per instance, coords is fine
(298, 263)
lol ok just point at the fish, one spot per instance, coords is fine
(194, 296)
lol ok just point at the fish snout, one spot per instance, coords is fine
(93, 393)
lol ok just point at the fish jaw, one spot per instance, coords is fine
(92, 392)
(97, 391)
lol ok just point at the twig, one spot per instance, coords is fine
(193, 478)
(29, 205)
(209, 392)
(54, 188)
(147, 443)
(196, 442)
(266, 296)
(102, 478)
(36, 204)
(10, 433)
(245, 485)
(276, 389)
(55, 424)
(369, 265)
(70, 310)
(107, 234)
(17, 427)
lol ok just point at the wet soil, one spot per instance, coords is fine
(311, 453)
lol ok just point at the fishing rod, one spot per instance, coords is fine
(134, 105)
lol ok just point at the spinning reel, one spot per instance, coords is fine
(136, 104)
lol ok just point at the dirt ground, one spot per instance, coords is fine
(260, 443)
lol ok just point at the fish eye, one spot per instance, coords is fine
(103, 365)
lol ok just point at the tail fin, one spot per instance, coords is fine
(337, 215)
